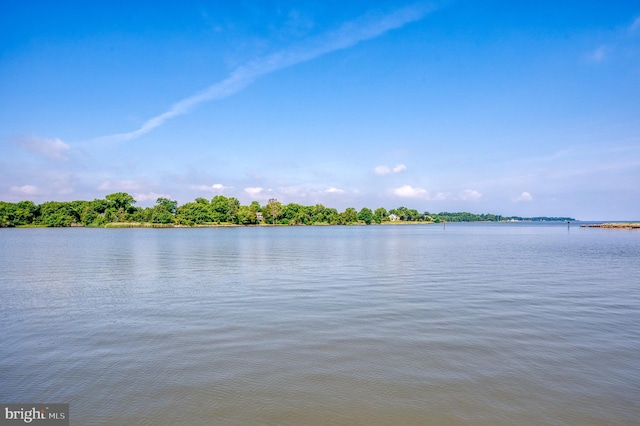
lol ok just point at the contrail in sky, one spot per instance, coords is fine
(349, 34)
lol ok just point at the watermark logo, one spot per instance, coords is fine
(34, 414)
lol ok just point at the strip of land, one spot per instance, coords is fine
(117, 210)
(629, 225)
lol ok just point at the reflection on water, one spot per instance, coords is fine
(472, 324)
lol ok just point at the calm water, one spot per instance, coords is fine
(479, 324)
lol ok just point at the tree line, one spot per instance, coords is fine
(120, 207)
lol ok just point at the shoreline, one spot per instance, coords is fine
(234, 225)
(124, 225)
(626, 225)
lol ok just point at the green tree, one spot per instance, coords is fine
(219, 208)
(350, 215)
(76, 210)
(365, 215)
(169, 205)
(7, 212)
(332, 216)
(144, 215)
(160, 214)
(100, 206)
(56, 214)
(89, 216)
(295, 214)
(256, 206)
(413, 215)
(232, 210)
(318, 214)
(272, 211)
(194, 213)
(247, 215)
(254, 209)
(121, 201)
(16, 214)
(380, 215)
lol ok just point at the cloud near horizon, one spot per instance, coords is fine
(254, 191)
(525, 196)
(123, 185)
(385, 170)
(25, 190)
(333, 190)
(51, 149)
(470, 195)
(150, 196)
(407, 191)
(349, 34)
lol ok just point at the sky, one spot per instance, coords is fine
(512, 108)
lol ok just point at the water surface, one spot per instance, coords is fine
(473, 324)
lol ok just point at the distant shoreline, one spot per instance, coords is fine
(235, 225)
(628, 225)
(125, 225)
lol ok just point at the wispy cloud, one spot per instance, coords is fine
(470, 195)
(385, 170)
(25, 190)
(45, 182)
(333, 190)
(293, 191)
(52, 149)
(407, 191)
(525, 196)
(254, 191)
(382, 170)
(149, 196)
(216, 187)
(365, 28)
(122, 185)
(599, 54)
(635, 26)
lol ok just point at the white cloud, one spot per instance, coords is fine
(407, 191)
(525, 196)
(470, 195)
(52, 149)
(150, 196)
(441, 196)
(253, 190)
(292, 191)
(25, 189)
(334, 191)
(122, 185)
(385, 170)
(216, 187)
(202, 187)
(382, 170)
(598, 55)
(349, 34)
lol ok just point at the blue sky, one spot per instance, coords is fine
(513, 108)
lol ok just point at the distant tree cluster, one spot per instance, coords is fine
(119, 207)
